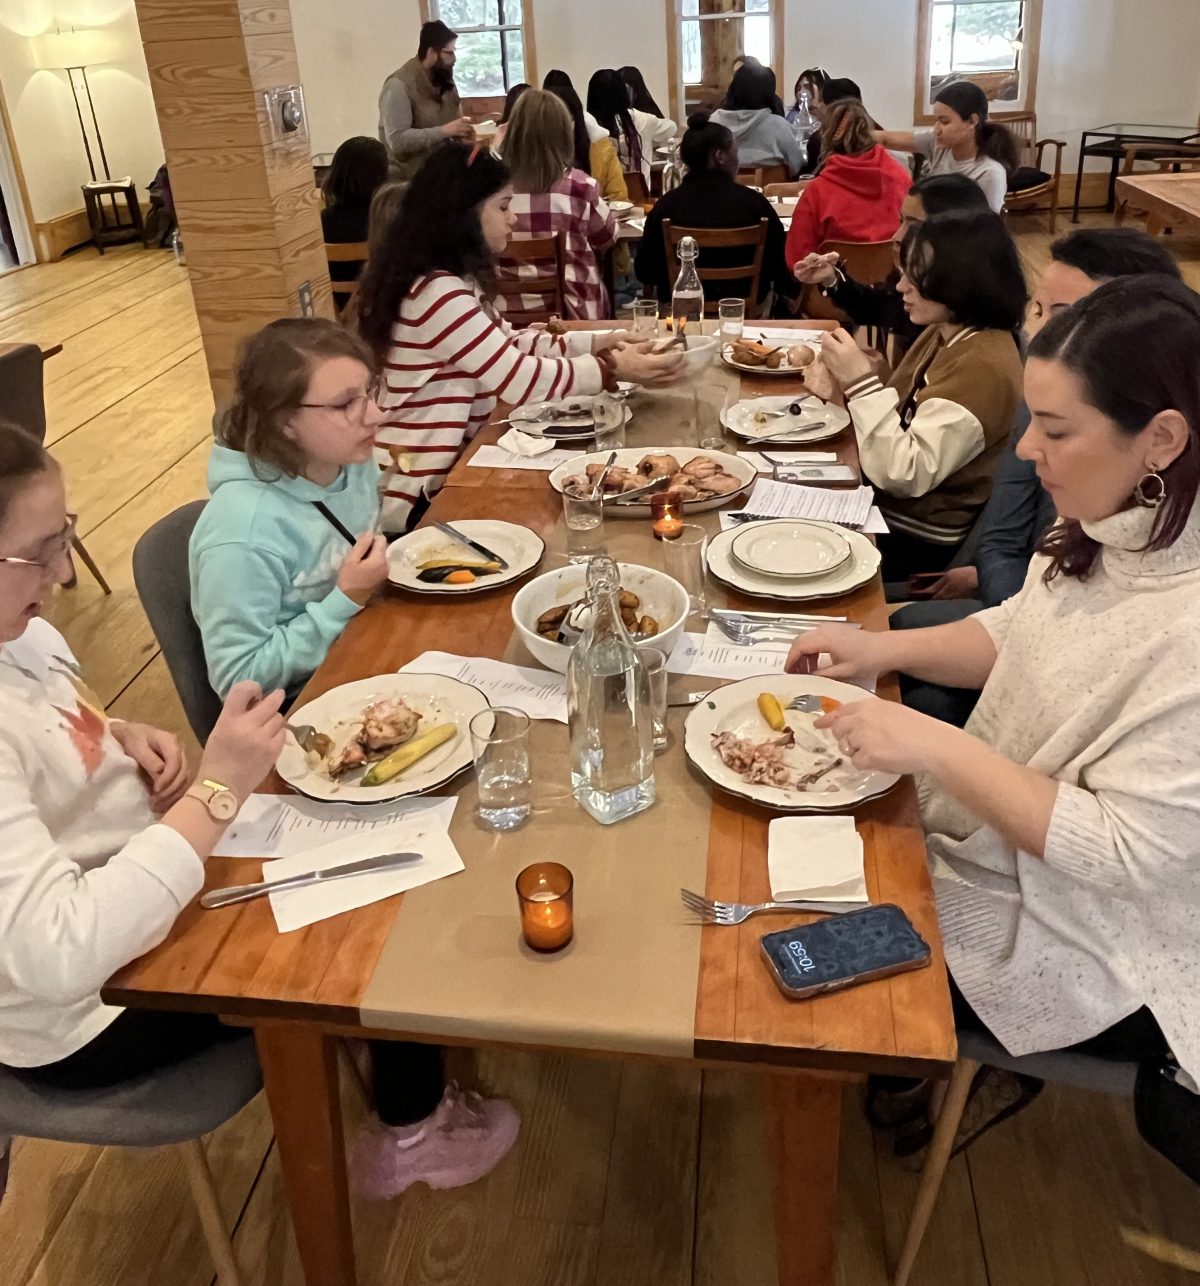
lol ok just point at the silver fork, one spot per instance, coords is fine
(711, 912)
(748, 631)
(304, 734)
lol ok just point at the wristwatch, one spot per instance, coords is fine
(221, 802)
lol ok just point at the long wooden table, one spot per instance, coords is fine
(1170, 200)
(304, 990)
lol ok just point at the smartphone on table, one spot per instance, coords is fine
(844, 950)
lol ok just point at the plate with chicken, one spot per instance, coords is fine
(382, 738)
(745, 739)
(702, 479)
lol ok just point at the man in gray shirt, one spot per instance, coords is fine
(419, 105)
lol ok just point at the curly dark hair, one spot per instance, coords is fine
(436, 229)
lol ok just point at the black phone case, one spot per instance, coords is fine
(844, 950)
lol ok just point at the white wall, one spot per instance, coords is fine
(45, 127)
(1101, 60)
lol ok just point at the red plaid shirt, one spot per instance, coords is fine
(574, 208)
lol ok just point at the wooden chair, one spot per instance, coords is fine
(1174, 158)
(753, 238)
(794, 188)
(346, 252)
(639, 193)
(758, 176)
(548, 283)
(1032, 154)
(868, 262)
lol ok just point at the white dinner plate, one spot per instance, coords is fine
(792, 548)
(628, 458)
(572, 418)
(740, 420)
(862, 565)
(436, 698)
(784, 368)
(734, 708)
(521, 548)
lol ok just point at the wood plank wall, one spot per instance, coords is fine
(248, 208)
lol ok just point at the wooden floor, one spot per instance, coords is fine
(624, 1176)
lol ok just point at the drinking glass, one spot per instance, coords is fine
(656, 668)
(709, 402)
(732, 316)
(545, 894)
(500, 744)
(645, 318)
(584, 518)
(608, 412)
(684, 560)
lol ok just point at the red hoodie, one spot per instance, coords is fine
(854, 198)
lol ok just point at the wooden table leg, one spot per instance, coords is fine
(804, 1125)
(300, 1073)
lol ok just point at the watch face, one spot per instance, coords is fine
(223, 805)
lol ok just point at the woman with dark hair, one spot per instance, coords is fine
(810, 89)
(858, 189)
(962, 141)
(1061, 822)
(360, 167)
(640, 97)
(711, 197)
(510, 101)
(929, 439)
(635, 132)
(748, 112)
(447, 355)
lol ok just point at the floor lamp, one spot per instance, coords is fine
(75, 51)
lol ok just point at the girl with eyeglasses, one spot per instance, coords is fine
(287, 550)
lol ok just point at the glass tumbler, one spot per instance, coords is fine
(731, 313)
(500, 745)
(684, 560)
(584, 518)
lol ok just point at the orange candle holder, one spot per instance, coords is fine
(666, 515)
(545, 894)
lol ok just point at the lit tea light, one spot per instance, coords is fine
(544, 892)
(666, 514)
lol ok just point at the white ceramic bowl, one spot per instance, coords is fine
(663, 598)
(698, 356)
(621, 209)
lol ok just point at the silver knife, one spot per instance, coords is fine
(776, 616)
(482, 550)
(245, 892)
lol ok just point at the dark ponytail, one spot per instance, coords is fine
(608, 102)
(703, 140)
(991, 140)
(1148, 324)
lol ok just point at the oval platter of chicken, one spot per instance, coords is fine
(381, 738)
(704, 479)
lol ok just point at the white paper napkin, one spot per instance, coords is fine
(525, 444)
(426, 832)
(815, 859)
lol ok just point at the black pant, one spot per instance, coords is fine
(408, 1078)
(904, 555)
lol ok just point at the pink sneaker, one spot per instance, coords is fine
(464, 1138)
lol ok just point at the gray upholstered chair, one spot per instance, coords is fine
(176, 1105)
(160, 572)
(977, 1050)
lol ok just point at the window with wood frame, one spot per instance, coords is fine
(494, 38)
(706, 37)
(991, 42)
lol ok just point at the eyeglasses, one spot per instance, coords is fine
(354, 407)
(54, 548)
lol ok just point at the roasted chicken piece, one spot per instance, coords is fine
(685, 488)
(388, 723)
(702, 466)
(719, 484)
(351, 755)
(657, 466)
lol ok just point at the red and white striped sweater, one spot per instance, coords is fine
(452, 358)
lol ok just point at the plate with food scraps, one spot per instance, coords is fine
(757, 418)
(705, 479)
(859, 570)
(744, 740)
(570, 418)
(383, 738)
(791, 548)
(429, 561)
(771, 357)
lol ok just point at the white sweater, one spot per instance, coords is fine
(87, 880)
(1096, 684)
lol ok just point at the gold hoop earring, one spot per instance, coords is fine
(1150, 491)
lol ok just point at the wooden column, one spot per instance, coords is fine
(247, 205)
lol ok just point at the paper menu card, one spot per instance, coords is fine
(816, 859)
(542, 694)
(425, 831)
(849, 506)
(713, 656)
(496, 457)
(275, 826)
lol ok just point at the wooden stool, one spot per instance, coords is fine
(106, 230)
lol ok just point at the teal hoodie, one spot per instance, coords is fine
(264, 568)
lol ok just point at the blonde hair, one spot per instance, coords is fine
(539, 146)
(847, 130)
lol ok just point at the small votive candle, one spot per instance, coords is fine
(666, 515)
(544, 892)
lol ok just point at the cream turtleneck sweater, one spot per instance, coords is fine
(1096, 684)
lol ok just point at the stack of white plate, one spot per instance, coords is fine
(792, 558)
(756, 418)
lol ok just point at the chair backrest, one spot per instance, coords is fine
(866, 261)
(545, 283)
(160, 572)
(794, 188)
(741, 269)
(758, 176)
(346, 252)
(635, 183)
(22, 388)
(1024, 126)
